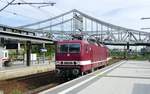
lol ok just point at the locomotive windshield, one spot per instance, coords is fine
(69, 48)
(74, 48)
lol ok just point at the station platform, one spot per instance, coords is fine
(23, 70)
(124, 77)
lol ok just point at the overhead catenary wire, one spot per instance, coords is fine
(6, 5)
(43, 6)
(46, 20)
(14, 13)
(7, 1)
(18, 14)
(38, 8)
(32, 3)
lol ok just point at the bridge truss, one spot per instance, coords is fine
(75, 22)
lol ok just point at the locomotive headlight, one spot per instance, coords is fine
(57, 63)
(76, 63)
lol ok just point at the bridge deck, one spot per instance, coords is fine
(126, 77)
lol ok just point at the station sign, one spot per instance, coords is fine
(11, 46)
(43, 50)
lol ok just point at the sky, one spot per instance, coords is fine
(125, 13)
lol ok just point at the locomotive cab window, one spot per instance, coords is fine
(68, 48)
(62, 48)
(74, 48)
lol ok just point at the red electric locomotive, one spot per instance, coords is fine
(76, 57)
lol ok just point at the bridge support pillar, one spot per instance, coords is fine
(128, 47)
(43, 53)
(28, 51)
(124, 52)
(2, 41)
(127, 51)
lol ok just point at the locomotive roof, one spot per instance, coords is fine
(72, 41)
(80, 41)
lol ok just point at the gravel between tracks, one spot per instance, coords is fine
(28, 83)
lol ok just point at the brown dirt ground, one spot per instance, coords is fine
(21, 85)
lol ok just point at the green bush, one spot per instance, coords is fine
(16, 91)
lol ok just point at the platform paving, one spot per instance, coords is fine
(21, 70)
(125, 77)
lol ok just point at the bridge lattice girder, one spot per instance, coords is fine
(76, 22)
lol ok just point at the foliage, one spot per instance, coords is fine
(130, 55)
(16, 91)
(50, 50)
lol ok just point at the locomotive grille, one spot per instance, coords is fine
(68, 63)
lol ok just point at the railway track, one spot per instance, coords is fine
(30, 84)
(34, 76)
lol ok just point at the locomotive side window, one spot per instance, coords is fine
(74, 48)
(63, 48)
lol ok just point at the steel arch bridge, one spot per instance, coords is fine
(75, 22)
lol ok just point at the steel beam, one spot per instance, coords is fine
(21, 37)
